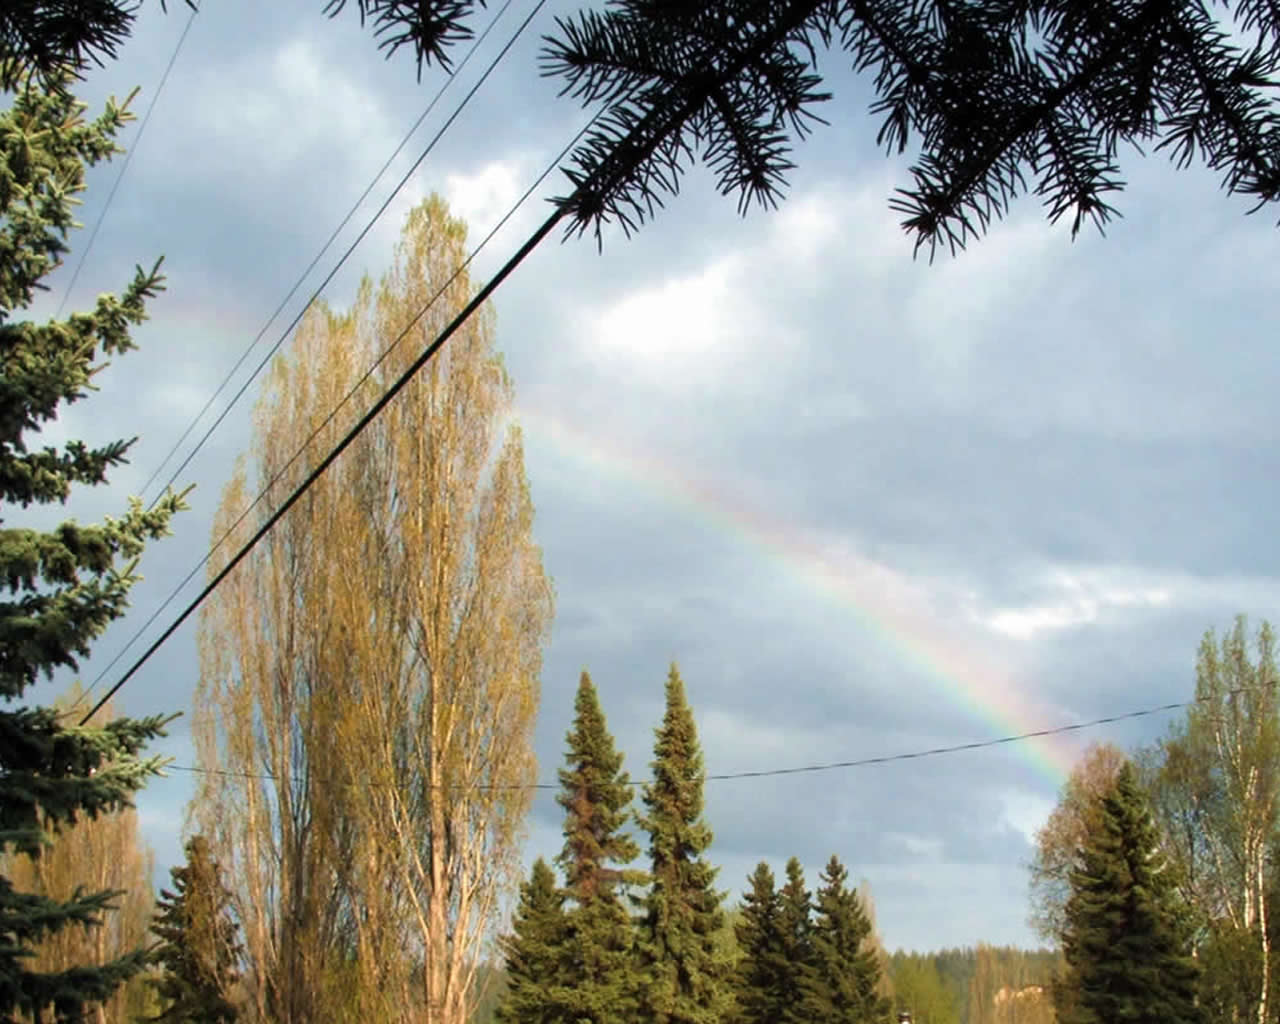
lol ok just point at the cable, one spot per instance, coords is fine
(642, 140)
(298, 318)
(862, 762)
(315, 474)
(312, 265)
(142, 127)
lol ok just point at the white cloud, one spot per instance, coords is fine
(483, 196)
(927, 848)
(672, 327)
(1074, 598)
(1025, 812)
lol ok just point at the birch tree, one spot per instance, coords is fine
(379, 658)
(1219, 787)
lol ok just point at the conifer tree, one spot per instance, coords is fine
(763, 972)
(796, 923)
(1126, 955)
(534, 953)
(199, 943)
(841, 984)
(686, 978)
(68, 583)
(600, 979)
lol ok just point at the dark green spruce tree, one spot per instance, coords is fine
(534, 953)
(761, 981)
(199, 943)
(687, 980)
(66, 584)
(600, 983)
(796, 922)
(841, 982)
(1127, 956)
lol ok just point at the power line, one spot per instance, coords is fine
(321, 427)
(298, 318)
(323, 249)
(642, 140)
(862, 762)
(142, 127)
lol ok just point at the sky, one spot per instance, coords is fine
(870, 505)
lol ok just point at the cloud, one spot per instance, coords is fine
(1076, 598)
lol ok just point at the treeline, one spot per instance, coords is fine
(975, 985)
(982, 985)
(1202, 803)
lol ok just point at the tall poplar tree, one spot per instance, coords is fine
(763, 972)
(1127, 959)
(600, 978)
(687, 978)
(842, 983)
(65, 584)
(378, 726)
(535, 954)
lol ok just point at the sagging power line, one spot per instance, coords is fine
(862, 762)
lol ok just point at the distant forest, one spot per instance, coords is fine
(982, 985)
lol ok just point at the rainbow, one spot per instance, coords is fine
(895, 609)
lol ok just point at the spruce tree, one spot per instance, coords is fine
(1127, 956)
(66, 584)
(687, 979)
(600, 969)
(199, 945)
(763, 974)
(534, 953)
(840, 985)
(796, 924)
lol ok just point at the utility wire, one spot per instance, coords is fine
(128, 156)
(298, 318)
(329, 419)
(863, 762)
(312, 265)
(640, 142)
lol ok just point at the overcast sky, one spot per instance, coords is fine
(870, 505)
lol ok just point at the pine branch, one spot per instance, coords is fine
(1004, 97)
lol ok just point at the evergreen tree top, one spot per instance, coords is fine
(678, 773)
(199, 944)
(688, 973)
(595, 794)
(842, 983)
